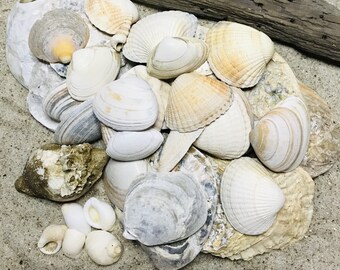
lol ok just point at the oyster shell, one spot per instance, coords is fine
(62, 173)
(51, 239)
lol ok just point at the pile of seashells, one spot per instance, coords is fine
(176, 127)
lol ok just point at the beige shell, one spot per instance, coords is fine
(195, 101)
(149, 31)
(174, 56)
(113, 17)
(51, 239)
(238, 54)
(280, 139)
(57, 35)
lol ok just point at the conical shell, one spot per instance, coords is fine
(195, 101)
(149, 31)
(280, 139)
(174, 56)
(57, 35)
(127, 104)
(238, 54)
(51, 239)
(228, 136)
(164, 207)
(250, 198)
(91, 69)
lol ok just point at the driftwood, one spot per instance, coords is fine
(310, 25)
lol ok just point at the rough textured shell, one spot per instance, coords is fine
(149, 31)
(174, 56)
(249, 197)
(195, 101)
(74, 217)
(51, 239)
(57, 35)
(164, 207)
(280, 139)
(73, 243)
(127, 104)
(91, 69)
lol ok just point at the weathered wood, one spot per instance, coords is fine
(310, 25)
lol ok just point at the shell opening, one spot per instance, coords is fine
(51, 247)
(117, 42)
(94, 215)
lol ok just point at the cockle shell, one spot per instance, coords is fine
(57, 35)
(163, 208)
(195, 101)
(149, 31)
(127, 104)
(129, 145)
(238, 54)
(174, 56)
(51, 239)
(113, 17)
(228, 136)
(99, 214)
(74, 217)
(62, 173)
(249, 197)
(103, 247)
(118, 176)
(91, 69)
(280, 139)
(73, 243)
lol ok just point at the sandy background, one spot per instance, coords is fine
(23, 218)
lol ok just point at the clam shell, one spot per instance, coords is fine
(280, 139)
(51, 239)
(195, 101)
(249, 197)
(129, 145)
(127, 104)
(57, 35)
(174, 56)
(149, 31)
(91, 69)
(74, 217)
(238, 54)
(73, 243)
(107, 133)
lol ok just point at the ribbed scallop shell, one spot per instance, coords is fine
(90, 69)
(149, 31)
(174, 56)
(280, 139)
(127, 104)
(238, 54)
(228, 136)
(195, 101)
(57, 35)
(249, 197)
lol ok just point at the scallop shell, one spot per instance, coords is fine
(195, 101)
(238, 54)
(51, 239)
(127, 104)
(74, 217)
(280, 139)
(249, 197)
(57, 35)
(91, 69)
(113, 17)
(73, 243)
(174, 56)
(149, 31)
(129, 145)
(228, 136)
(163, 208)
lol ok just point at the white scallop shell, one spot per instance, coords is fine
(51, 239)
(149, 31)
(73, 243)
(74, 217)
(249, 197)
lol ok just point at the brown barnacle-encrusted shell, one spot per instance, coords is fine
(57, 35)
(62, 173)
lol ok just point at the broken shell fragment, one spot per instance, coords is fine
(73, 243)
(74, 217)
(51, 239)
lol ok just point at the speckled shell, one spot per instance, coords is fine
(238, 54)
(195, 101)
(149, 31)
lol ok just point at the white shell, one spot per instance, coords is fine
(51, 239)
(149, 31)
(127, 104)
(107, 133)
(249, 197)
(99, 214)
(90, 69)
(73, 243)
(74, 217)
(103, 247)
(129, 146)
